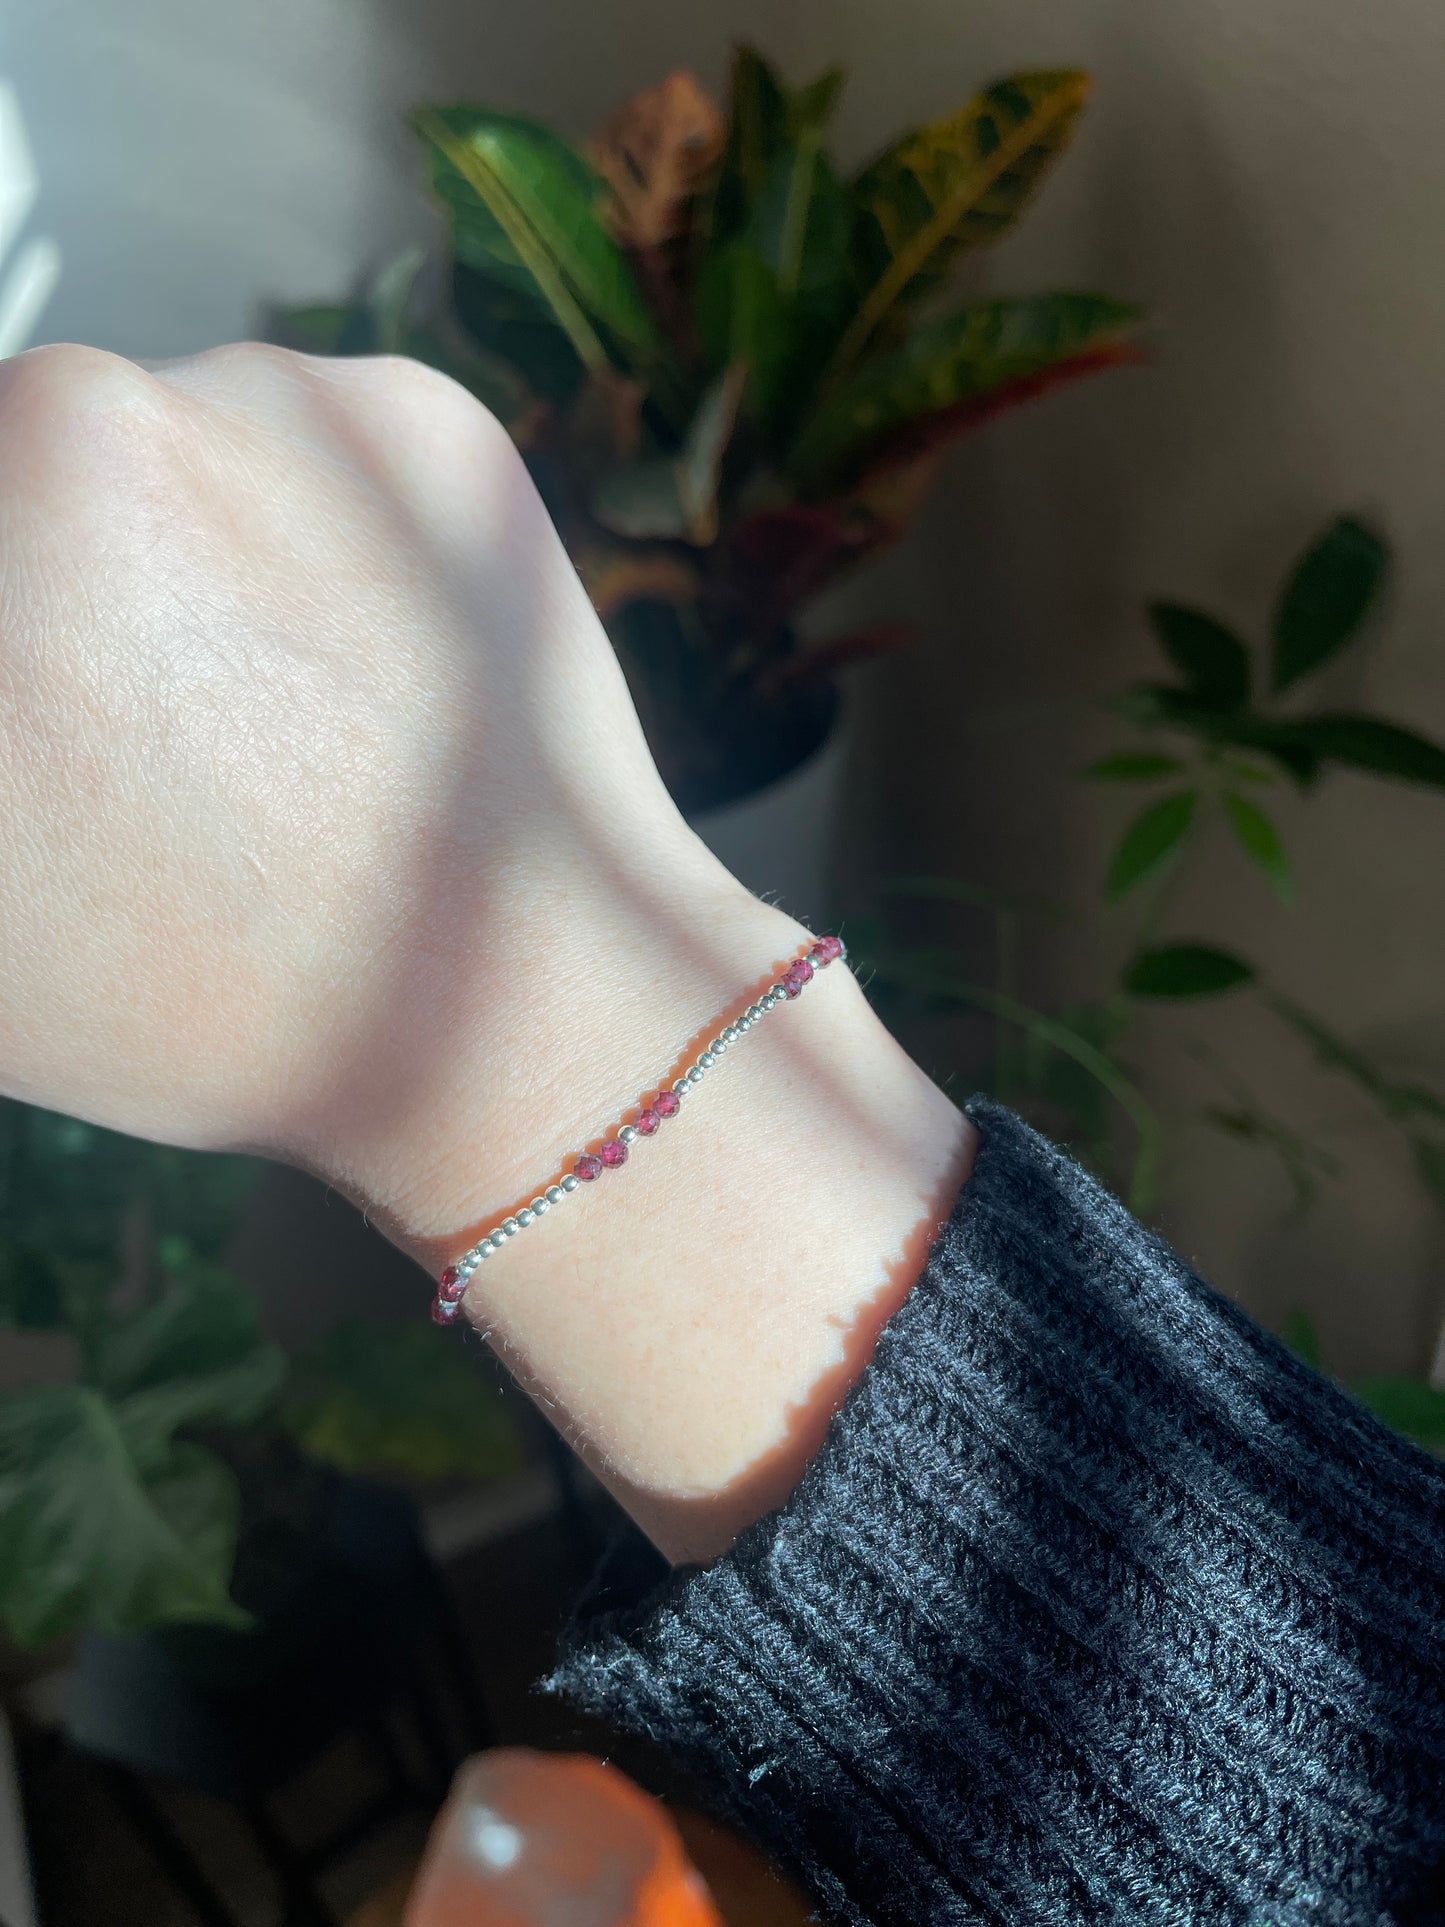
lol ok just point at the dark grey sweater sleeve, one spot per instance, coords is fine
(1096, 1606)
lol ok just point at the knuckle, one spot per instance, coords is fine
(67, 381)
(412, 399)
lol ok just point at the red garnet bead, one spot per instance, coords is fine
(587, 1167)
(444, 1310)
(827, 950)
(666, 1104)
(614, 1154)
(648, 1121)
(796, 975)
(453, 1287)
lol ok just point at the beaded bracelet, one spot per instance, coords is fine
(613, 1154)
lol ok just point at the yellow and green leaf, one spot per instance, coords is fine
(959, 183)
(979, 351)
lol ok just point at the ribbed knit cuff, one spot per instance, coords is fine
(1097, 1605)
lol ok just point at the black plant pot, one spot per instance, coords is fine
(351, 1624)
(714, 738)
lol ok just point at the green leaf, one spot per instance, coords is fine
(202, 1321)
(757, 129)
(764, 116)
(524, 210)
(798, 226)
(776, 297)
(1182, 710)
(1185, 970)
(959, 183)
(87, 1538)
(241, 1394)
(1407, 1405)
(506, 325)
(1132, 769)
(742, 314)
(1360, 742)
(812, 106)
(1150, 842)
(1261, 842)
(676, 497)
(1211, 659)
(960, 359)
(1326, 598)
(1303, 1340)
(400, 1398)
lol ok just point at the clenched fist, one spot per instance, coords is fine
(327, 829)
(313, 756)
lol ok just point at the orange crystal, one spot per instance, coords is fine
(555, 1840)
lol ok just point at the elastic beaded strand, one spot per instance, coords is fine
(588, 1166)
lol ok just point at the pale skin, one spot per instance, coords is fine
(327, 830)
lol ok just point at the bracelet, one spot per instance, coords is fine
(590, 1165)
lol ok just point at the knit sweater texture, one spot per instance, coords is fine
(1096, 1606)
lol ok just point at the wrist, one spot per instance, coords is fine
(517, 1036)
(693, 1319)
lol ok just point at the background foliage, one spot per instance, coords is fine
(734, 366)
(1208, 746)
(118, 1507)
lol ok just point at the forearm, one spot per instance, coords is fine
(1096, 1605)
(328, 829)
(692, 1320)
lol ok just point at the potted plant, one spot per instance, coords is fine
(734, 368)
(158, 1459)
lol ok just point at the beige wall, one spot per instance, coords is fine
(1267, 175)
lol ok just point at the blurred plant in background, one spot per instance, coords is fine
(1212, 743)
(119, 1502)
(732, 368)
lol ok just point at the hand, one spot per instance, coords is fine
(316, 768)
(327, 829)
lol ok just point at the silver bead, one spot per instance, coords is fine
(509, 1227)
(756, 1012)
(524, 1218)
(694, 1076)
(730, 1035)
(628, 1134)
(497, 1240)
(571, 1181)
(555, 1194)
(682, 1087)
(707, 1060)
(540, 1207)
(718, 1046)
(745, 1023)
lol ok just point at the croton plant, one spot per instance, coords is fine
(733, 367)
